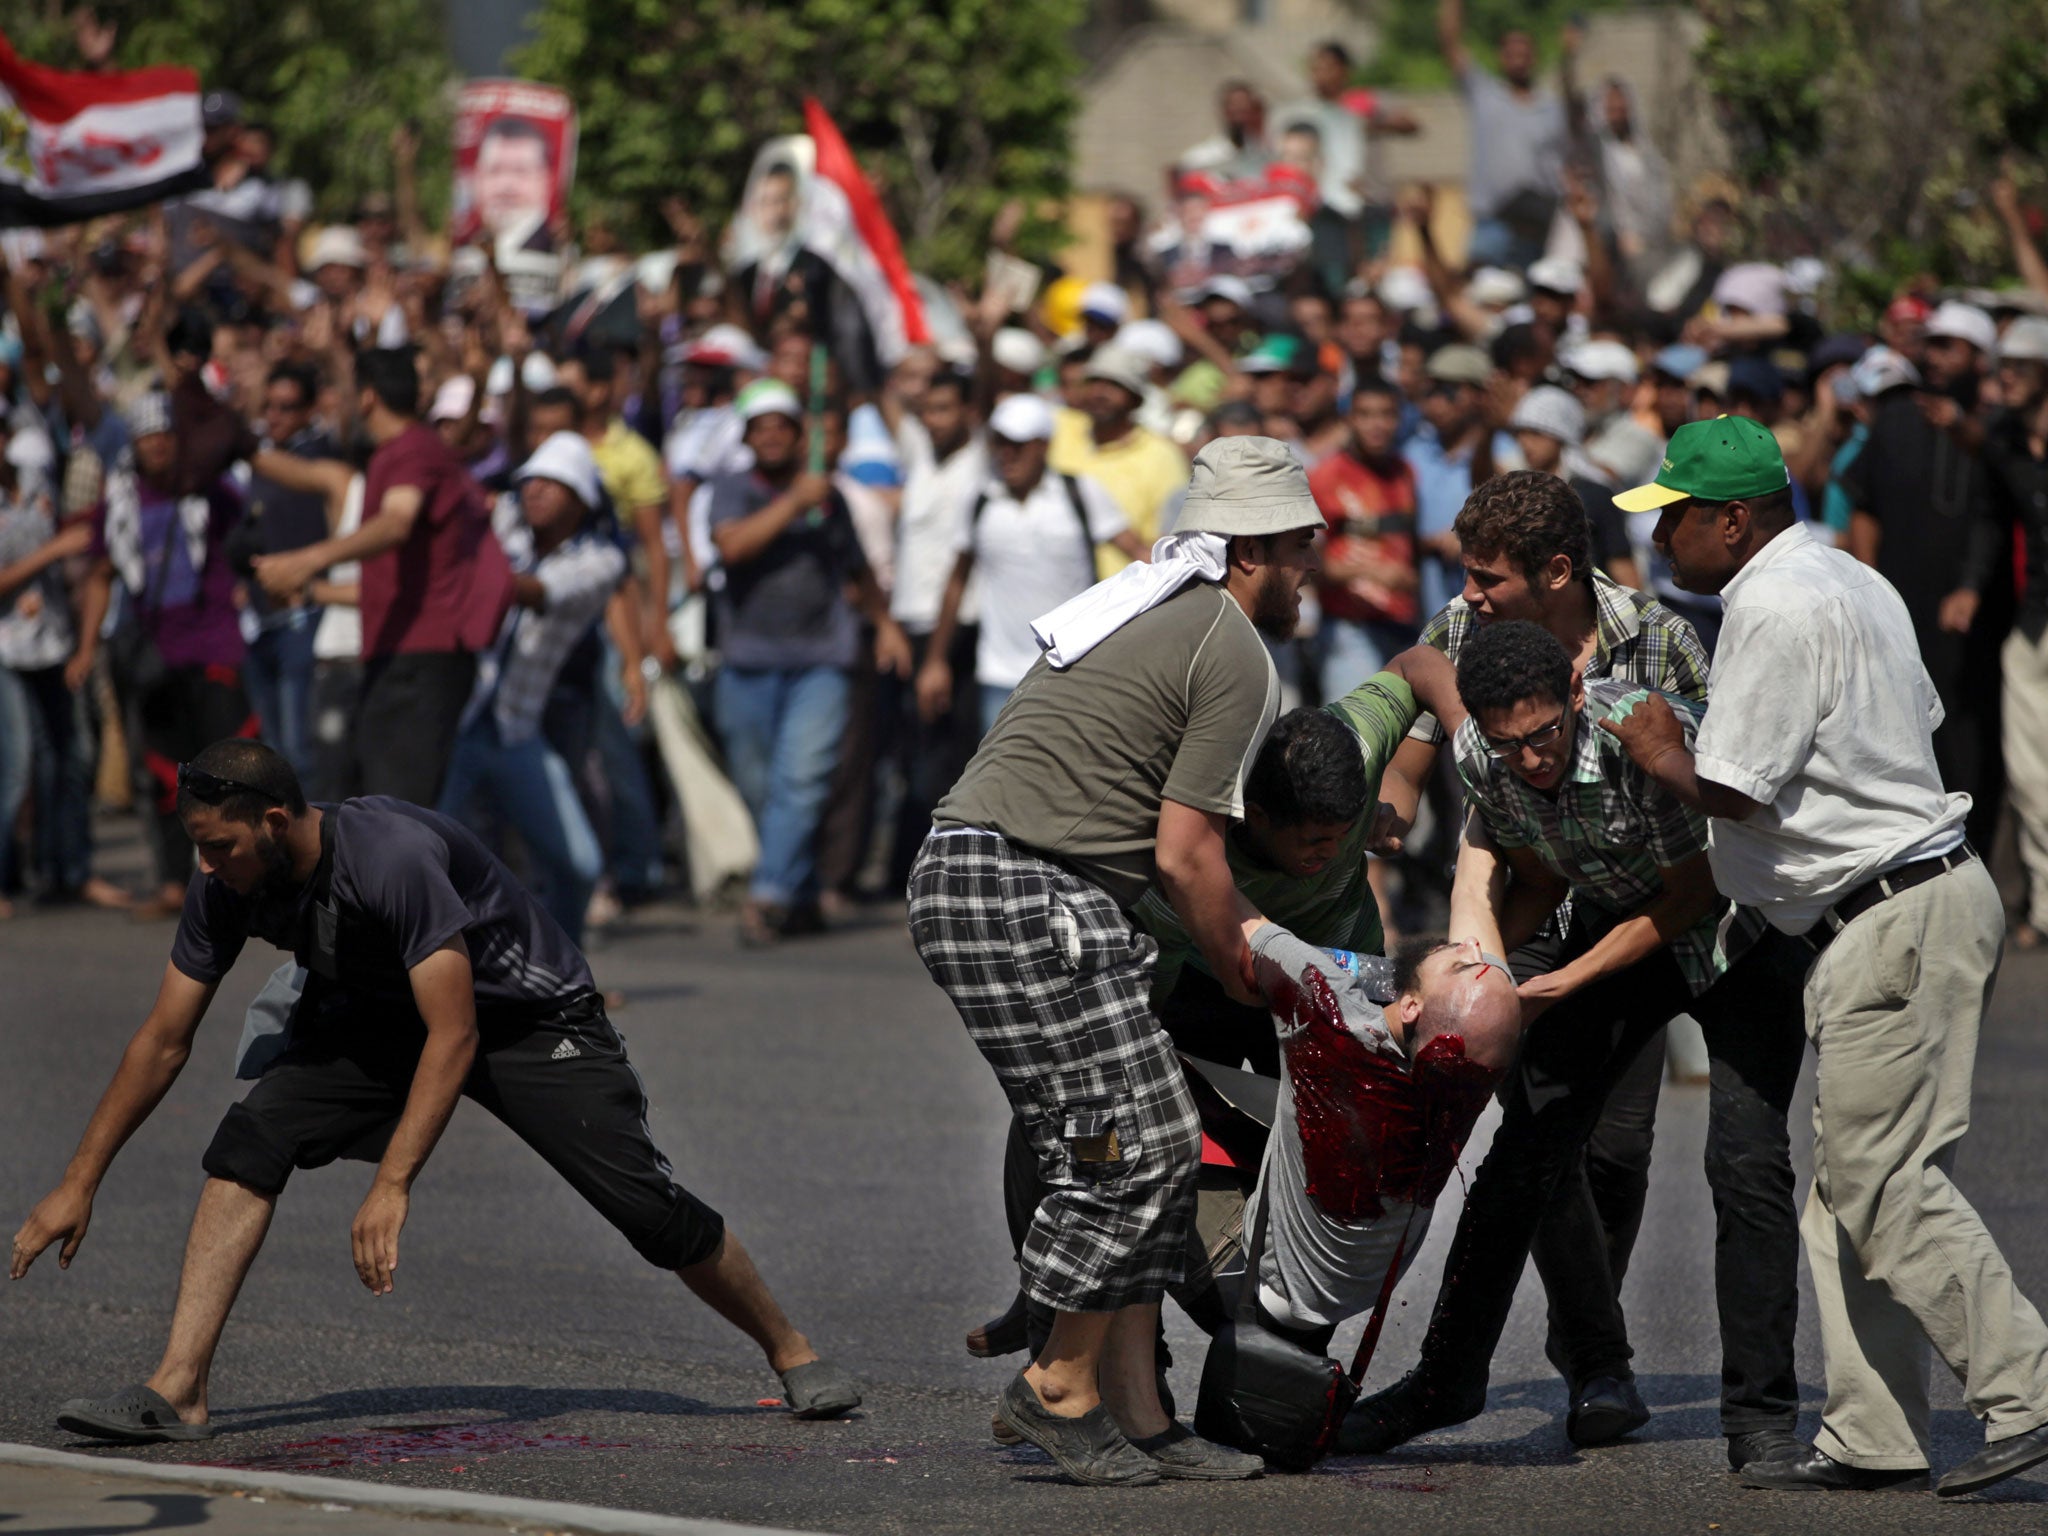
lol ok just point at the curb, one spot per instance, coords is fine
(588, 1519)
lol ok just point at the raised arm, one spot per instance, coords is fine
(1450, 35)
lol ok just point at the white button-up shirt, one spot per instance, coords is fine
(1819, 709)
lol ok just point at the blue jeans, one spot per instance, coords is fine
(781, 728)
(529, 785)
(993, 697)
(278, 677)
(1353, 651)
(43, 750)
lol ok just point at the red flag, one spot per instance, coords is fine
(73, 146)
(843, 222)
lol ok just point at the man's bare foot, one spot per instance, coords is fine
(6, 909)
(168, 902)
(105, 895)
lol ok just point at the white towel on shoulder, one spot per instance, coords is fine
(1081, 623)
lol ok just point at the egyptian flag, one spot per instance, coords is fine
(843, 223)
(73, 146)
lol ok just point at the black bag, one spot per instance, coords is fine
(1266, 1394)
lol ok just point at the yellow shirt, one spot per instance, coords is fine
(1141, 470)
(631, 470)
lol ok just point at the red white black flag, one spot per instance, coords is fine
(73, 146)
(843, 222)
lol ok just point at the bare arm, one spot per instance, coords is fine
(75, 539)
(2025, 254)
(287, 574)
(1688, 896)
(1450, 35)
(152, 1062)
(95, 594)
(1500, 896)
(746, 538)
(1434, 681)
(622, 619)
(313, 477)
(935, 677)
(1194, 875)
(1131, 547)
(1401, 789)
(1656, 744)
(444, 990)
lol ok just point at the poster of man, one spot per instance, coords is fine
(515, 161)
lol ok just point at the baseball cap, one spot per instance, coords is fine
(1552, 411)
(1459, 363)
(338, 245)
(1881, 369)
(1679, 361)
(1247, 485)
(2024, 341)
(1602, 360)
(1964, 322)
(1106, 301)
(725, 346)
(1405, 288)
(1235, 289)
(1119, 366)
(1017, 350)
(1021, 419)
(1908, 309)
(453, 399)
(1495, 288)
(1726, 459)
(1557, 274)
(768, 397)
(564, 457)
(1756, 287)
(1273, 355)
(1152, 340)
(219, 109)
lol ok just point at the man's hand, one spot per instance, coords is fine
(810, 490)
(1389, 827)
(893, 654)
(1648, 731)
(633, 682)
(78, 670)
(65, 1212)
(934, 688)
(374, 1237)
(1959, 611)
(1942, 411)
(1537, 1000)
(285, 576)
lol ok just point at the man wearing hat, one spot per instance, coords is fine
(1103, 440)
(1118, 764)
(1917, 489)
(1104, 308)
(1033, 538)
(1816, 763)
(1548, 425)
(567, 572)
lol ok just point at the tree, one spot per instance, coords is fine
(330, 78)
(953, 106)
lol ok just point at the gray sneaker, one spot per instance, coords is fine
(1180, 1452)
(1090, 1449)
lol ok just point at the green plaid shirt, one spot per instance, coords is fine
(1608, 830)
(1639, 641)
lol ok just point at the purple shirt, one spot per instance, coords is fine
(190, 614)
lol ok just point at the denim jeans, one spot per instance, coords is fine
(781, 728)
(993, 697)
(1352, 651)
(277, 674)
(529, 785)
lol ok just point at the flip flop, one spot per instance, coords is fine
(137, 1416)
(819, 1390)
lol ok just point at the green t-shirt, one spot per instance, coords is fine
(1334, 908)
(1173, 706)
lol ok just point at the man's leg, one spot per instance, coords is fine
(806, 750)
(406, 730)
(227, 1231)
(2025, 728)
(532, 788)
(746, 702)
(728, 1283)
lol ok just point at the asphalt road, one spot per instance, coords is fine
(825, 1098)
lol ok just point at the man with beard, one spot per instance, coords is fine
(431, 974)
(1119, 762)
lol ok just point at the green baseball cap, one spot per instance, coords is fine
(1726, 459)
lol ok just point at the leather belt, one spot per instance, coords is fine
(1883, 888)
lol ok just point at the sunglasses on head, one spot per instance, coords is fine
(212, 788)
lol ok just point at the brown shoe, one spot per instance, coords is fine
(760, 925)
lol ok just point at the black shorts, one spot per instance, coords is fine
(561, 1084)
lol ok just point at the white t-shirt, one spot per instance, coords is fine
(934, 494)
(339, 634)
(1820, 709)
(1031, 557)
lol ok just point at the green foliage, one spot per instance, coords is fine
(952, 106)
(1408, 55)
(330, 78)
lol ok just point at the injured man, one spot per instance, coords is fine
(1386, 1066)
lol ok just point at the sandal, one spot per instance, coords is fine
(138, 1416)
(819, 1390)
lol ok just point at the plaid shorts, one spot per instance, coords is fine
(1052, 981)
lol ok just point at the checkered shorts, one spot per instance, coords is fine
(1051, 980)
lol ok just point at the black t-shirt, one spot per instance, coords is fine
(1603, 521)
(404, 882)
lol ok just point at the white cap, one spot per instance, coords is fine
(1552, 411)
(1106, 301)
(1754, 286)
(1021, 419)
(769, 397)
(1226, 286)
(537, 372)
(1557, 274)
(1152, 340)
(453, 399)
(725, 346)
(499, 380)
(1495, 288)
(1881, 369)
(1964, 322)
(1017, 350)
(2024, 341)
(1602, 360)
(1405, 288)
(565, 457)
(338, 245)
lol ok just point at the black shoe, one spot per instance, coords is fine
(1180, 1453)
(1090, 1449)
(1000, 1336)
(1995, 1463)
(1603, 1410)
(1813, 1470)
(1763, 1445)
(1411, 1406)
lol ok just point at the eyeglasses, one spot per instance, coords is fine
(1541, 737)
(212, 788)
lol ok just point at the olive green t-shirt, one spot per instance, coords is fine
(1173, 706)
(1333, 908)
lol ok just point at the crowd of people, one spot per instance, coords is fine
(1064, 590)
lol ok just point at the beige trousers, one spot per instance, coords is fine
(1900, 1260)
(2025, 666)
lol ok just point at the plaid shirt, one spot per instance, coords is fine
(515, 676)
(1639, 641)
(1608, 830)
